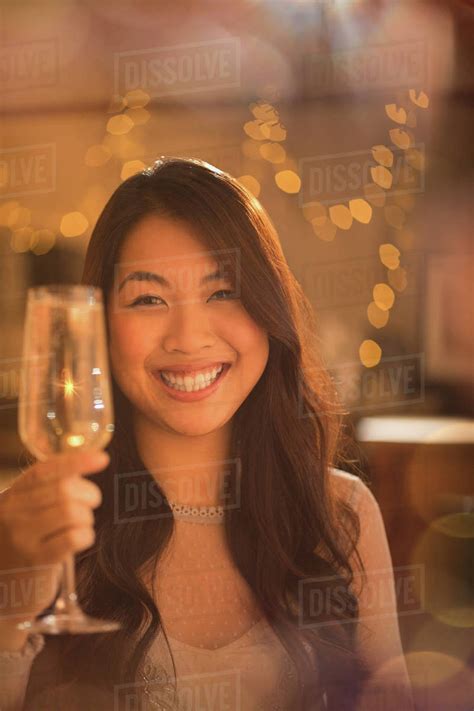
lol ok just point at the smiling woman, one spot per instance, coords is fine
(223, 406)
(191, 321)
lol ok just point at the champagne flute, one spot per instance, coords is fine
(65, 404)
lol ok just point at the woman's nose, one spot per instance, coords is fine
(187, 327)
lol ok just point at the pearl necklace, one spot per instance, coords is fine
(197, 514)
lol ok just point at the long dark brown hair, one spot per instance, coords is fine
(291, 536)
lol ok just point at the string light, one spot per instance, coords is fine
(73, 224)
(370, 353)
(396, 114)
(288, 181)
(360, 210)
(341, 216)
(131, 167)
(389, 255)
(383, 155)
(266, 134)
(120, 124)
(97, 156)
(326, 221)
(251, 184)
(384, 296)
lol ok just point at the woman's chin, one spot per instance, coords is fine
(193, 428)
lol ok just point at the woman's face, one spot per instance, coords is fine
(187, 328)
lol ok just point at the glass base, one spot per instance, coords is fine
(63, 623)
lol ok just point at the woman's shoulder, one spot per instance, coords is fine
(349, 487)
(343, 482)
(339, 476)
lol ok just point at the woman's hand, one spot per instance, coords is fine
(45, 515)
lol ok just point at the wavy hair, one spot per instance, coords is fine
(292, 536)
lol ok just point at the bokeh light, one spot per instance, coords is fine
(18, 217)
(375, 194)
(20, 239)
(131, 167)
(420, 99)
(383, 155)
(316, 213)
(273, 131)
(325, 231)
(124, 147)
(400, 138)
(370, 353)
(264, 111)
(458, 525)
(139, 116)
(396, 113)
(444, 560)
(398, 278)
(119, 125)
(381, 176)
(251, 149)
(273, 152)
(97, 156)
(389, 255)
(73, 224)
(6, 209)
(383, 296)
(251, 184)
(117, 104)
(377, 317)
(341, 216)
(136, 98)
(254, 130)
(416, 159)
(288, 181)
(360, 210)
(43, 241)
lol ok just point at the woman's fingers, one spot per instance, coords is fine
(57, 547)
(45, 502)
(46, 515)
(61, 466)
(51, 494)
(51, 522)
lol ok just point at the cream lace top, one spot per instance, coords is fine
(254, 672)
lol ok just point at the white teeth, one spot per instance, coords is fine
(189, 383)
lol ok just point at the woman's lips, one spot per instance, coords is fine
(192, 396)
(194, 367)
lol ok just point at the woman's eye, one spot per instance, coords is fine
(223, 291)
(143, 300)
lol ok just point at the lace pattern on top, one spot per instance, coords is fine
(255, 672)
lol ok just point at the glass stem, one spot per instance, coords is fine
(66, 603)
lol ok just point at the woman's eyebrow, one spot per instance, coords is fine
(157, 278)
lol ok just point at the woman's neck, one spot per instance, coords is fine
(193, 470)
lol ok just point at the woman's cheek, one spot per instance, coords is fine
(128, 344)
(246, 334)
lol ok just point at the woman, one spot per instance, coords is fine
(220, 401)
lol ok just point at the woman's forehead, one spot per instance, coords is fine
(160, 236)
(167, 253)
